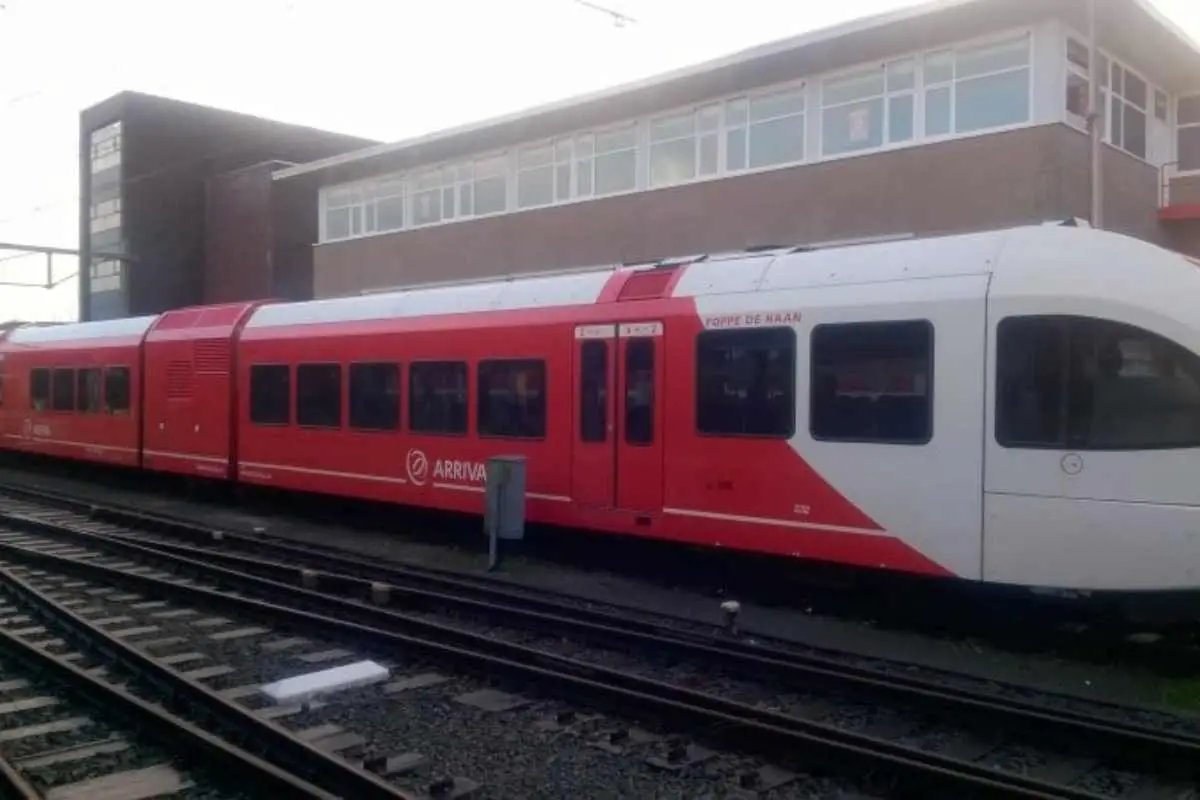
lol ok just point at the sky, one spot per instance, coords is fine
(383, 69)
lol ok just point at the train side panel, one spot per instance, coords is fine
(74, 391)
(1093, 427)
(189, 395)
(325, 440)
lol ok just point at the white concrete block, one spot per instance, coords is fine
(311, 684)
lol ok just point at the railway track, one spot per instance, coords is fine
(74, 726)
(1051, 746)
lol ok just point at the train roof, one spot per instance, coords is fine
(127, 327)
(770, 269)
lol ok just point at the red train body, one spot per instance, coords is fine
(784, 402)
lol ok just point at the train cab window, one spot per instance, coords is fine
(593, 392)
(116, 390)
(89, 395)
(270, 394)
(872, 382)
(512, 398)
(437, 397)
(746, 382)
(62, 389)
(1080, 383)
(375, 397)
(639, 391)
(319, 395)
(39, 389)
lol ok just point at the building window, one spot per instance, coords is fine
(977, 88)
(512, 398)
(1080, 383)
(872, 382)
(105, 147)
(105, 215)
(764, 131)
(684, 147)
(535, 176)
(1127, 114)
(39, 389)
(62, 389)
(437, 397)
(868, 109)
(615, 162)
(375, 397)
(319, 395)
(105, 276)
(90, 392)
(116, 390)
(1126, 102)
(593, 392)
(639, 391)
(270, 394)
(1187, 118)
(746, 382)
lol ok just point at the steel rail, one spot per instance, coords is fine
(1127, 742)
(311, 772)
(94, 692)
(921, 773)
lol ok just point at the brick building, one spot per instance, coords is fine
(182, 193)
(955, 115)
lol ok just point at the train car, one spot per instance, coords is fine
(190, 391)
(1018, 406)
(74, 390)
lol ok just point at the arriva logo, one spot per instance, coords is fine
(445, 470)
(418, 466)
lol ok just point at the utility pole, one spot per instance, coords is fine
(1095, 119)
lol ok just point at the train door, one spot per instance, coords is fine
(617, 455)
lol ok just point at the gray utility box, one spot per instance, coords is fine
(504, 517)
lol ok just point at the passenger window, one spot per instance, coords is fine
(512, 398)
(270, 393)
(116, 390)
(593, 392)
(89, 393)
(1080, 383)
(319, 395)
(746, 382)
(375, 397)
(872, 382)
(39, 389)
(62, 390)
(639, 391)
(437, 397)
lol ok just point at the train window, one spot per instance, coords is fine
(270, 393)
(1080, 383)
(872, 382)
(593, 392)
(437, 397)
(746, 382)
(89, 394)
(62, 389)
(319, 395)
(639, 391)
(39, 389)
(512, 398)
(375, 397)
(116, 390)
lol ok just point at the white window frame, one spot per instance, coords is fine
(1181, 126)
(1107, 99)
(955, 50)
(886, 95)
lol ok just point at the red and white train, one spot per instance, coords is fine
(1017, 407)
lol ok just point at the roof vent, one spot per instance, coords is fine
(648, 285)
